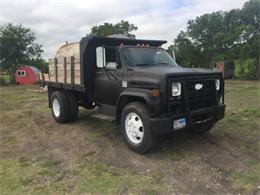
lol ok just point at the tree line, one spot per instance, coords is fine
(18, 46)
(222, 36)
(218, 36)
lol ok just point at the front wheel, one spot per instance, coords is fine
(136, 129)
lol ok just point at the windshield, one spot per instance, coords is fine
(148, 56)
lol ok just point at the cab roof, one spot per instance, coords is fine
(112, 41)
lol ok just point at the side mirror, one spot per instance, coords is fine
(111, 65)
(100, 57)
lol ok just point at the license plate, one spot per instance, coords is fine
(179, 124)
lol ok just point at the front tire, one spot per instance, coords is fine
(136, 129)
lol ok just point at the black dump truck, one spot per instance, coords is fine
(138, 84)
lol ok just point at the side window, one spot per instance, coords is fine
(107, 57)
(21, 73)
(112, 57)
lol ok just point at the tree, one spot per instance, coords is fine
(39, 63)
(106, 29)
(232, 35)
(205, 33)
(193, 58)
(250, 15)
(17, 46)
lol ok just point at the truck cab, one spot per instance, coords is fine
(141, 86)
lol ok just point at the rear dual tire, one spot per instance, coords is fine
(64, 108)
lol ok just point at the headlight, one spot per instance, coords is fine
(217, 83)
(176, 89)
(220, 100)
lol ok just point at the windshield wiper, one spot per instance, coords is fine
(143, 65)
(163, 63)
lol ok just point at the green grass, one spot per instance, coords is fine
(39, 156)
(251, 112)
(246, 182)
(95, 178)
(19, 178)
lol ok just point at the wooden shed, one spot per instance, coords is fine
(227, 68)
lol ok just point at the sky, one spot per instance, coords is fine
(58, 21)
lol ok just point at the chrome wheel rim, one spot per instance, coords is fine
(134, 128)
(56, 107)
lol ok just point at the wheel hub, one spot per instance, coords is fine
(134, 128)
(56, 107)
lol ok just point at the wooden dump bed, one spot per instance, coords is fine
(65, 67)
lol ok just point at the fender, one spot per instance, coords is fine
(135, 94)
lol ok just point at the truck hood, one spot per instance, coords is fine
(171, 71)
(155, 76)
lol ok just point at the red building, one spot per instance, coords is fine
(26, 75)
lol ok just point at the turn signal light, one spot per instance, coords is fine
(155, 92)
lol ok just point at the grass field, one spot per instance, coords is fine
(39, 156)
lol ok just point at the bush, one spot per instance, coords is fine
(245, 69)
(2, 82)
(4, 79)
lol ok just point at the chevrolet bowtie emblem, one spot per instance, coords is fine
(198, 86)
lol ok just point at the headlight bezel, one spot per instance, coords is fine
(176, 86)
(217, 84)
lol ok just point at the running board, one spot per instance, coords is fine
(107, 110)
(103, 117)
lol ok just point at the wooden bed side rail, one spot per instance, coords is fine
(43, 77)
(65, 70)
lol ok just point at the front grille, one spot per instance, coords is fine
(202, 98)
(192, 99)
(176, 108)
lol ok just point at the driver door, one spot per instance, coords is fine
(108, 78)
